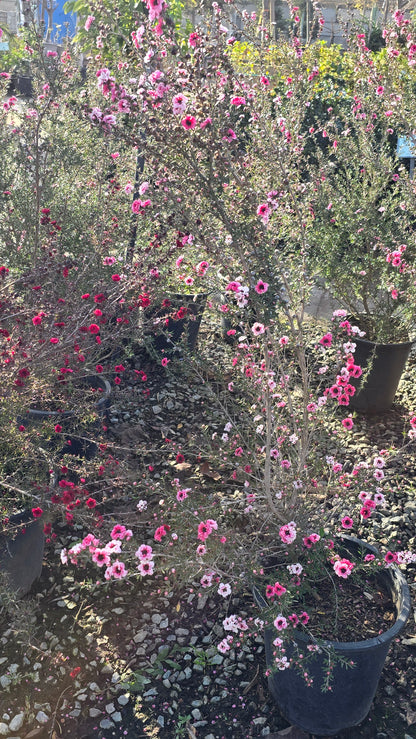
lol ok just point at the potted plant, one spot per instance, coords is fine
(180, 292)
(206, 131)
(363, 242)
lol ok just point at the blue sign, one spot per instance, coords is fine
(406, 148)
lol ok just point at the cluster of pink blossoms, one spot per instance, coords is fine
(101, 555)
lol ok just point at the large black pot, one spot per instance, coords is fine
(76, 445)
(386, 362)
(168, 331)
(352, 690)
(21, 551)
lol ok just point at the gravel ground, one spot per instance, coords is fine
(133, 660)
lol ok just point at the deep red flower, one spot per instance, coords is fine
(37, 512)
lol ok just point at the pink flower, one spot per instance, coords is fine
(144, 552)
(326, 340)
(204, 530)
(189, 122)
(117, 570)
(160, 532)
(118, 531)
(238, 100)
(304, 618)
(229, 136)
(146, 567)
(179, 104)
(258, 328)
(261, 287)
(264, 211)
(287, 532)
(225, 645)
(390, 557)
(88, 23)
(224, 589)
(165, 361)
(280, 623)
(348, 423)
(347, 522)
(343, 567)
(101, 557)
(278, 589)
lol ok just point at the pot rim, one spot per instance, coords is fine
(38, 413)
(377, 344)
(391, 574)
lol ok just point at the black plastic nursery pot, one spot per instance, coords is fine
(21, 552)
(386, 362)
(352, 690)
(82, 447)
(169, 330)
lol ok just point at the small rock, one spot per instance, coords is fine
(217, 659)
(123, 699)
(116, 716)
(42, 717)
(196, 713)
(106, 723)
(140, 636)
(4, 729)
(156, 409)
(4, 681)
(17, 722)
(110, 708)
(94, 712)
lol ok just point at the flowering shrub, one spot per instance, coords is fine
(229, 183)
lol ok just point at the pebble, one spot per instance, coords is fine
(106, 723)
(94, 712)
(42, 717)
(123, 699)
(116, 716)
(17, 722)
(4, 729)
